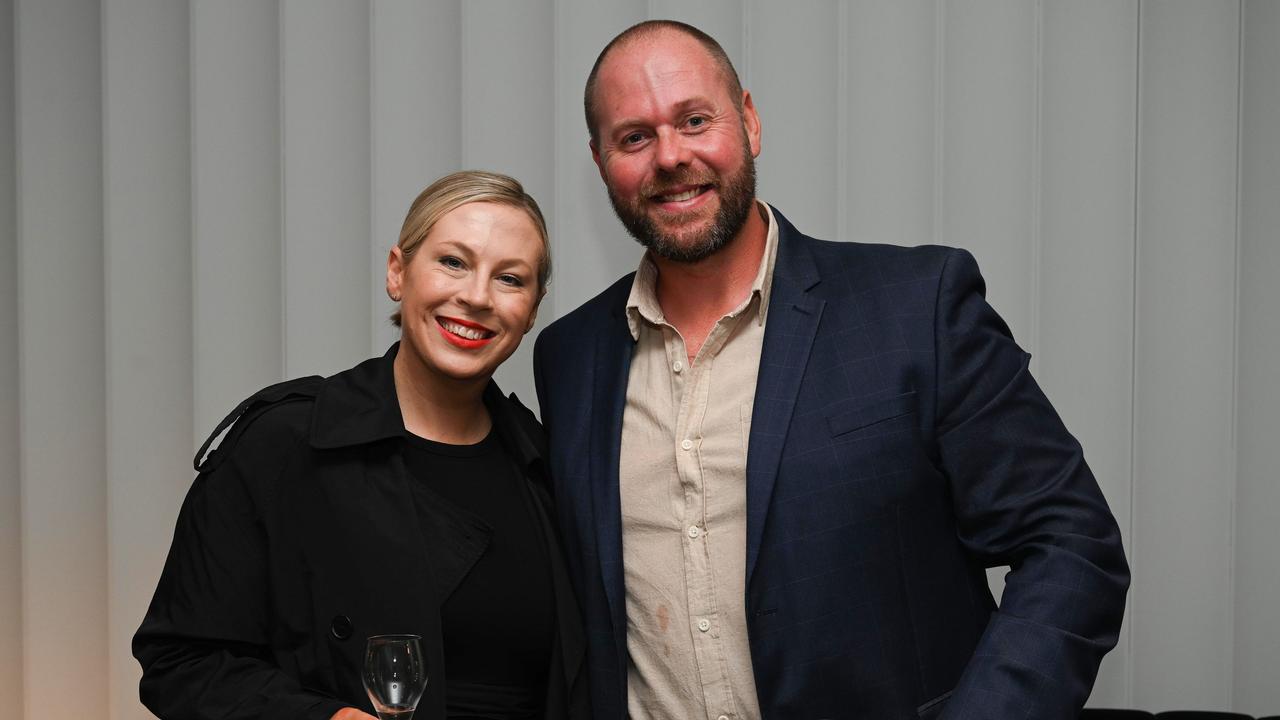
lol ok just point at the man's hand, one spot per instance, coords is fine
(351, 713)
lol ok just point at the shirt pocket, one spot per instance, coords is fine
(871, 414)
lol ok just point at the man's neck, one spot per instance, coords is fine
(693, 296)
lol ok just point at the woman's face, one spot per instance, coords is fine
(469, 292)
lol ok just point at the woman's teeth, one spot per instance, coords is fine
(466, 332)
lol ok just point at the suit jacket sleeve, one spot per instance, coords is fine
(204, 644)
(1023, 497)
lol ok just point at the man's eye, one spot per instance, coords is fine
(632, 139)
(697, 121)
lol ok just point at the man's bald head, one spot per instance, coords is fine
(647, 30)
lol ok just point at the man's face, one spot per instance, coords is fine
(674, 152)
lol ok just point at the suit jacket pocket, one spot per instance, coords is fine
(871, 414)
(934, 707)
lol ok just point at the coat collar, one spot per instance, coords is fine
(359, 406)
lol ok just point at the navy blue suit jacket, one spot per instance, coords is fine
(899, 446)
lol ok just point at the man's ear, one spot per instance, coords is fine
(751, 123)
(595, 156)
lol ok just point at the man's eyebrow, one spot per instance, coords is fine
(680, 107)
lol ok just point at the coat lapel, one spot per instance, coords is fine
(609, 397)
(788, 336)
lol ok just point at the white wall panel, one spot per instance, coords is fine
(324, 101)
(1257, 621)
(1088, 144)
(235, 186)
(1184, 481)
(10, 517)
(147, 204)
(989, 166)
(583, 226)
(798, 97)
(889, 89)
(724, 20)
(416, 96)
(64, 561)
(507, 52)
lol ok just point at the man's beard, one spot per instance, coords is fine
(737, 196)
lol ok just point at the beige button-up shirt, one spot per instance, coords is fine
(683, 478)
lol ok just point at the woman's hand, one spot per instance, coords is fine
(351, 713)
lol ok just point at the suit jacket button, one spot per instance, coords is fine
(340, 628)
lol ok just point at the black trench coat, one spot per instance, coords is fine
(300, 538)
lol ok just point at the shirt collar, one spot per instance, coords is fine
(642, 303)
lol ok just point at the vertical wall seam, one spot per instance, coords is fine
(1234, 457)
(372, 87)
(193, 195)
(842, 121)
(24, 573)
(108, 396)
(281, 173)
(939, 116)
(1037, 177)
(1129, 669)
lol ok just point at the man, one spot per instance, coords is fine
(783, 464)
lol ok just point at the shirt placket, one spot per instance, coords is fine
(691, 386)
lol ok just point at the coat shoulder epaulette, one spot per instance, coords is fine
(298, 389)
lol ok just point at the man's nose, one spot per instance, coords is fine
(672, 152)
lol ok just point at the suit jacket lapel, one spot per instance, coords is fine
(609, 398)
(788, 336)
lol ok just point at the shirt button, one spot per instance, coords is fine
(693, 531)
(677, 366)
(704, 624)
(687, 444)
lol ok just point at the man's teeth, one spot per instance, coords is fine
(680, 197)
(466, 332)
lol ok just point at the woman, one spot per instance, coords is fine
(404, 495)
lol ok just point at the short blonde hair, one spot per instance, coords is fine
(468, 186)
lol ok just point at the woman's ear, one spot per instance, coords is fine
(395, 274)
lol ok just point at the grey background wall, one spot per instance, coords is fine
(197, 198)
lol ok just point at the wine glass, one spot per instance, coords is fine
(395, 675)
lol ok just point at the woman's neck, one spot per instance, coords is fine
(440, 409)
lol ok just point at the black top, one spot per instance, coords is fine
(498, 623)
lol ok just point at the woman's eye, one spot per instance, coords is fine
(512, 280)
(452, 262)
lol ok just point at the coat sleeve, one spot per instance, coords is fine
(204, 644)
(1023, 497)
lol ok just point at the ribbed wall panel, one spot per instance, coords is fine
(1257, 571)
(60, 327)
(235, 204)
(507, 52)
(1086, 188)
(989, 132)
(324, 106)
(584, 227)
(888, 97)
(147, 204)
(798, 170)
(197, 199)
(1184, 485)
(416, 94)
(10, 496)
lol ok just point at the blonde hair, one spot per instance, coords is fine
(469, 186)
